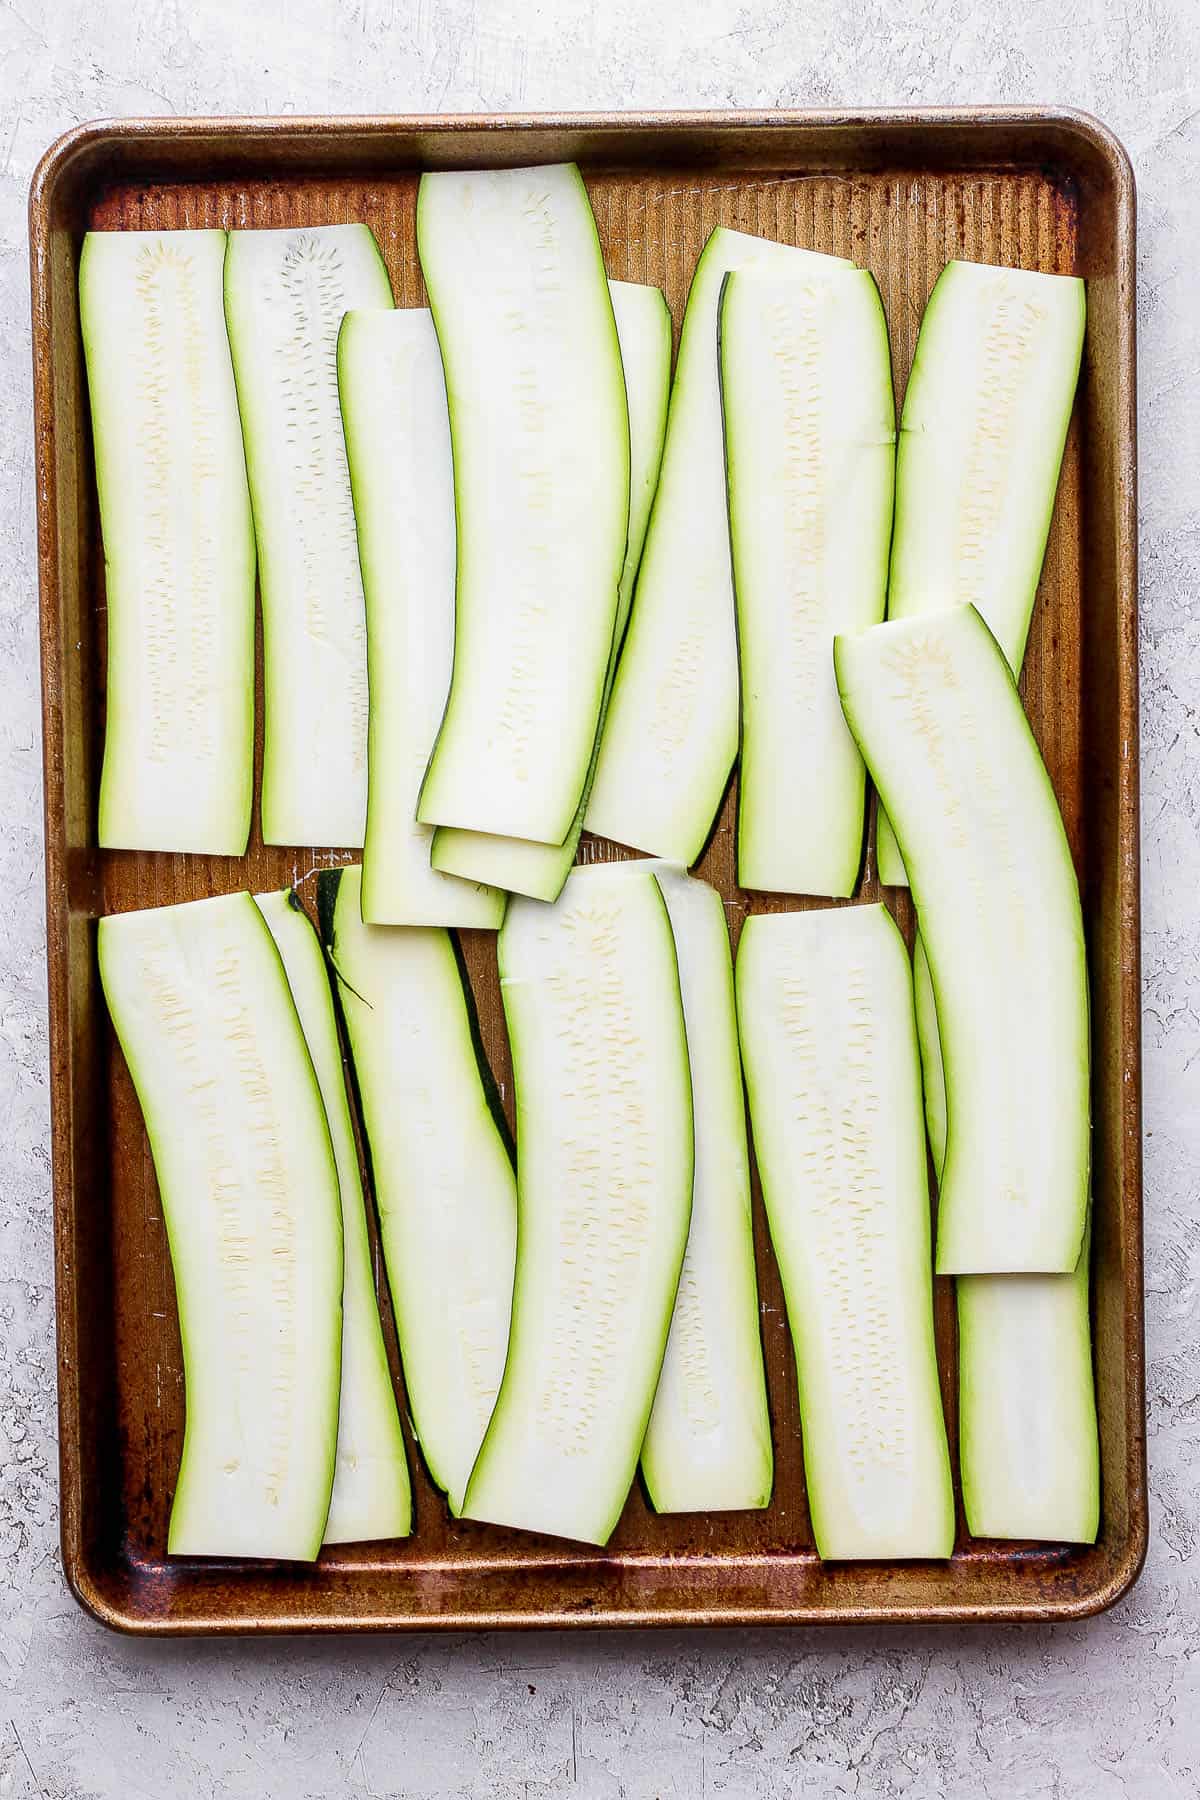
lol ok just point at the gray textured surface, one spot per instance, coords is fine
(1104, 1710)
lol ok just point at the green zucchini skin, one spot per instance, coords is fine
(933, 1075)
(829, 1049)
(441, 1168)
(393, 399)
(605, 1166)
(178, 766)
(670, 735)
(810, 431)
(285, 294)
(644, 330)
(540, 432)
(708, 1444)
(982, 434)
(205, 1017)
(936, 713)
(372, 1495)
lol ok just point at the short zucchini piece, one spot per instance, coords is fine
(1027, 1435)
(440, 1165)
(671, 733)
(540, 430)
(605, 1159)
(285, 294)
(936, 713)
(810, 431)
(982, 435)
(249, 1189)
(644, 330)
(178, 765)
(708, 1444)
(372, 1497)
(829, 1047)
(398, 444)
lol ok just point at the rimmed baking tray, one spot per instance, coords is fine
(899, 192)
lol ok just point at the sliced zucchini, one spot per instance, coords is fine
(440, 1164)
(1028, 1442)
(1027, 1436)
(644, 331)
(708, 1444)
(671, 733)
(249, 1191)
(934, 707)
(825, 1013)
(372, 1497)
(398, 445)
(285, 294)
(540, 431)
(605, 1158)
(981, 444)
(810, 431)
(178, 765)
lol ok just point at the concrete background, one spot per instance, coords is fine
(1103, 1710)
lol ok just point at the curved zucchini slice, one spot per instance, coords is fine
(398, 445)
(178, 766)
(644, 330)
(540, 431)
(982, 434)
(249, 1190)
(1028, 1443)
(604, 1158)
(810, 431)
(708, 1444)
(440, 1165)
(372, 1497)
(1027, 1435)
(285, 294)
(936, 713)
(671, 733)
(825, 1012)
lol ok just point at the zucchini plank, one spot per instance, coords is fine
(393, 399)
(605, 1161)
(440, 1165)
(249, 1191)
(372, 1497)
(178, 763)
(829, 1046)
(708, 1444)
(982, 435)
(671, 733)
(810, 430)
(936, 713)
(285, 294)
(540, 431)
(644, 331)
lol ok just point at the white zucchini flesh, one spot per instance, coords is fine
(671, 733)
(178, 766)
(372, 1497)
(605, 1161)
(440, 1165)
(936, 713)
(540, 431)
(829, 1047)
(644, 331)
(393, 397)
(708, 1443)
(810, 429)
(982, 434)
(285, 294)
(249, 1191)
(1028, 1443)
